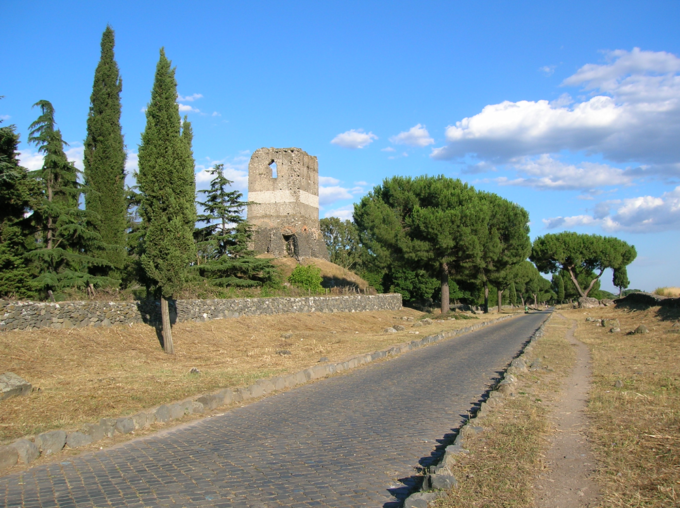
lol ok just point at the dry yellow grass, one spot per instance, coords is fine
(83, 374)
(505, 459)
(328, 270)
(635, 427)
(673, 292)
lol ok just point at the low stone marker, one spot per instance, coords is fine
(12, 385)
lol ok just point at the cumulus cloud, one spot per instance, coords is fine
(342, 213)
(328, 180)
(215, 113)
(233, 170)
(415, 136)
(547, 173)
(34, 160)
(388, 149)
(644, 214)
(189, 98)
(354, 138)
(633, 115)
(331, 193)
(4, 118)
(185, 108)
(548, 70)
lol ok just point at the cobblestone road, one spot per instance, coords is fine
(343, 441)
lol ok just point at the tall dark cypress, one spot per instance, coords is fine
(168, 209)
(104, 157)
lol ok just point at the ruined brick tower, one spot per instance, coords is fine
(283, 196)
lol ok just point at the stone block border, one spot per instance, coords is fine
(24, 451)
(439, 476)
(33, 315)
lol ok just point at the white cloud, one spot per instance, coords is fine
(633, 116)
(332, 193)
(328, 180)
(185, 108)
(189, 98)
(480, 167)
(131, 168)
(415, 136)
(354, 138)
(548, 70)
(362, 183)
(237, 173)
(388, 149)
(34, 160)
(546, 173)
(4, 118)
(644, 214)
(342, 213)
(74, 154)
(215, 113)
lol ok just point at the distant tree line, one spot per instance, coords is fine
(436, 238)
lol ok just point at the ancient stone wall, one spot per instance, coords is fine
(283, 196)
(31, 315)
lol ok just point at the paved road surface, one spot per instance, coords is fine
(343, 441)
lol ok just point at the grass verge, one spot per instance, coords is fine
(506, 456)
(635, 405)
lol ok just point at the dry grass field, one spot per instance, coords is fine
(636, 422)
(634, 412)
(672, 292)
(83, 374)
(506, 457)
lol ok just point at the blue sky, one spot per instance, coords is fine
(570, 110)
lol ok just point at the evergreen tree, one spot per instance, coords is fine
(61, 224)
(342, 240)
(104, 157)
(167, 186)
(512, 294)
(620, 279)
(17, 192)
(558, 287)
(223, 256)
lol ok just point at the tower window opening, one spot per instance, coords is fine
(272, 166)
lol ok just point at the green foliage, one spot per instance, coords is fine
(413, 285)
(342, 240)
(584, 278)
(62, 227)
(307, 277)
(17, 191)
(620, 279)
(104, 158)
(167, 184)
(576, 253)
(512, 294)
(223, 257)
(558, 287)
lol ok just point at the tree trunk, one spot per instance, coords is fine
(535, 301)
(500, 301)
(521, 297)
(166, 327)
(445, 288)
(486, 297)
(573, 279)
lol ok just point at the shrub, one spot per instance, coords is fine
(307, 277)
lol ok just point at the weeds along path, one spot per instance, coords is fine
(569, 482)
(351, 440)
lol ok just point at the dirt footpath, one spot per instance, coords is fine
(571, 464)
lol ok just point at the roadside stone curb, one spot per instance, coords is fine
(439, 477)
(25, 451)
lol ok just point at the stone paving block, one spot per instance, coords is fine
(139, 420)
(124, 425)
(94, 430)
(27, 450)
(197, 408)
(51, 442)
(108, 426)
(176, 410)
(162, 414)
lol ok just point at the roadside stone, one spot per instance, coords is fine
(283, 352)
(439, 481)
(94, 430)
(323, 359)
(642, 329)
(426, 321)
(615, 330)
(612, 323)
(389, 329)
(12, 385)
(176, 411)
(417, 324)
(124, 425)
(27, 450)
(509, 379)
(108, 426)
(420, 500)
(226, 396)
(537, 364)
(586, 302)
(51, 442)
(139, 420)
(78, 439)
(618, 383)
(8, 456)
(162, 414)
(286, 335)
(399, 328)
(589, 319)
(197, 408)
(209, 401)
(519, 364)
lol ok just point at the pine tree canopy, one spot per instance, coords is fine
(104, 157)
(167, 185)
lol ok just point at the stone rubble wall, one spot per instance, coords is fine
(33, 315)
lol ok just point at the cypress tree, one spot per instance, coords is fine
(167, 187)
(104, 157)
